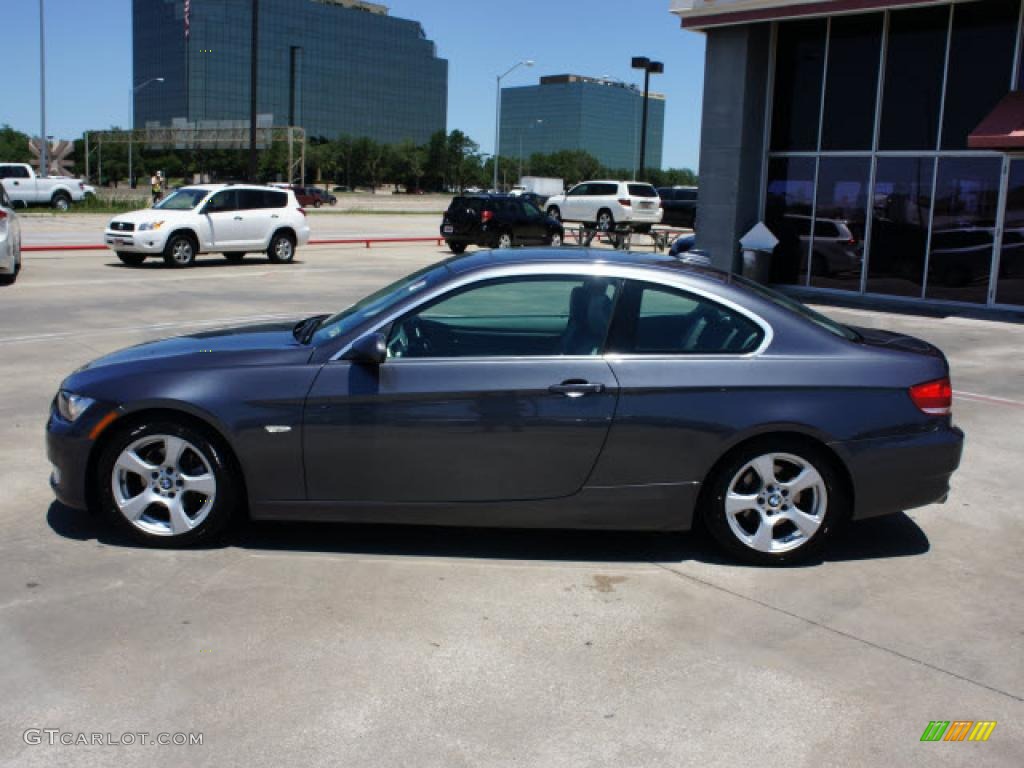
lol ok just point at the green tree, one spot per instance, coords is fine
(14, 146)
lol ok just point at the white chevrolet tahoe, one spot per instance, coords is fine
(604, 204)
(233, 219)
(24, 187)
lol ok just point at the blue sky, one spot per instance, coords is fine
(88, 62)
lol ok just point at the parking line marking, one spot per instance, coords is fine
(989, 399)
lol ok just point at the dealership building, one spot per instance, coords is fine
(881, 142)
(333, 67)
(573, 112)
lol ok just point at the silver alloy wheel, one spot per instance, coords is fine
(776, 502)
(604, 221)
(163, 485)
(504, 240)
(61, 203)
(182, 251)
(283, 249)
(556, 241)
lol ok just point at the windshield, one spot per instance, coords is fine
(183, 200)
(377, 303)
(784, 301)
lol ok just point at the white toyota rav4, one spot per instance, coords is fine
(604, 204)
(233, 219)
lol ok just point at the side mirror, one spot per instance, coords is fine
(371, 349)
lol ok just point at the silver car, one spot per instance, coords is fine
(10, 241)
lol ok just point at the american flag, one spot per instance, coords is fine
(188, 12)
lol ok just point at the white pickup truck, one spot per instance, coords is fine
(24, 187)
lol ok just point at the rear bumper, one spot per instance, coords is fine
(893, 474)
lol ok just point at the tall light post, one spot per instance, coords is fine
(650, 68)
(497, 114)
(533, 124)
(131, 128)
(44, 161)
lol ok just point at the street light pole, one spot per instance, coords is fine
(497, 115)
(44, 161)
(131, 128)
(253, 73)
(650, 68)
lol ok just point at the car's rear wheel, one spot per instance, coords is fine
(234, 256)
(317, 203)
(131, 259)
(555, 240)
(775, 501)
(60, 201)
(282, 248)
(554, 213)
(456, 248)
(504, 240)
(605, 221)
(180, 251)
(166, 484)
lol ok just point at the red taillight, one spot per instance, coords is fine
(852, 241)
(3, 215)
(302, 211)
(486, 216)
(81, 185)
(625, 201)
(933, 397)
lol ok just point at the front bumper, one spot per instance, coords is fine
(893, 474)
(69, 448)
(150, 242)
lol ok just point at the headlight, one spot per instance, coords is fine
(148, 225)
(70, 406)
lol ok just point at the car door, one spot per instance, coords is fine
(495, 391)
(257, 218)
(534, 223)
(575, 203)
(225, 221)
(20, 185)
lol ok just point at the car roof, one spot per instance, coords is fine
(231, 184)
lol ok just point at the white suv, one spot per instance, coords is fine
(607, 203)
(233, 219)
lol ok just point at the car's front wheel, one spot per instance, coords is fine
(131, 259)
(774, 502)
(166, 484)
(282, 248)
(180, 251)
(554, 213)
(605, 221)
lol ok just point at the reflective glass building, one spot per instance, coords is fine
(334, 67)
(572, 112)
(877, 139)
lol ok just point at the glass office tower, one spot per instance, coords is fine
(573, 112)
(333, 67)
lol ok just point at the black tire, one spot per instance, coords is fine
(554, 213)
(456, 248)
(277, 252)
(605, 221)
(180, 251)
(131, 259)
(156, 515)
(819, 265)
(316, 203)
(504, 240)
(60, 201)
(834, 507)
(8, 279)
(234, 256)
(555, 240)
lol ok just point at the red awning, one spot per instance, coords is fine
(1003, 127)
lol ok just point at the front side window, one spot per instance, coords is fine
(579, 189)
(226, 200)
(656, 320)
(182, 200)
(510, 317)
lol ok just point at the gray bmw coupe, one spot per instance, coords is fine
(548, 388)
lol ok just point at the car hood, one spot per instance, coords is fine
(152, 214)
(264, 344)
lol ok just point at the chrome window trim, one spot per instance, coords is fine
(663, 277)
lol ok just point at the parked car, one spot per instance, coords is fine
(530, 388)
(233, 219)
(10, 240)
(604, 204)
(682, 244)
(313, 197)
(836, 249)
(497, 221)
(679, 205)
(26, 188)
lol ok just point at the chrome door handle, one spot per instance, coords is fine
(274, 216)
(238, 218)
(575, 388)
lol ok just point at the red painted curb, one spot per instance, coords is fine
(340, 241)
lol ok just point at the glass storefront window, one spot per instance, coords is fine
(915, 59)
(963, 228)
(837, 248)
(1010, 285)
(788, 207)
(980, 64)
(799, 67)
(851, 86)
(901, 206)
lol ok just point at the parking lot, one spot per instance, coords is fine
(357, 645)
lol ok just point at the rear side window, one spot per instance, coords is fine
(690, 195)
(274, 199)
(603, 189)
(249, 199)
(642, 190)
(825, 229)
(656, 320)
